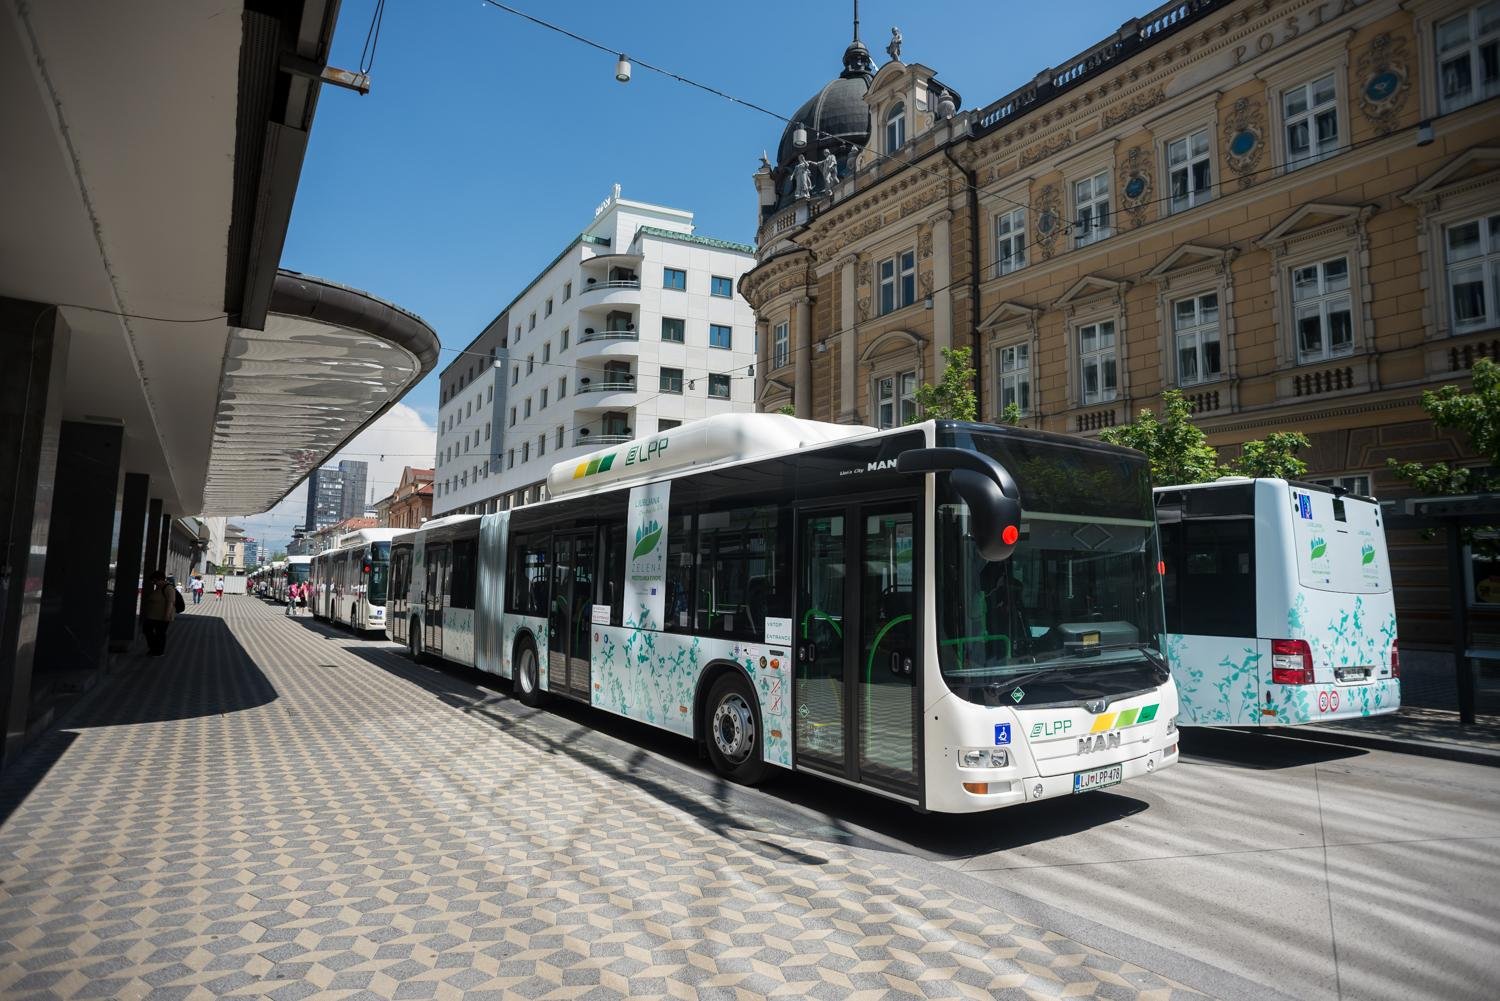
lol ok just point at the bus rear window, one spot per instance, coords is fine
(1344, 555)
(1208, 554)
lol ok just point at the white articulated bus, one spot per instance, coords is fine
(296, 570)
(1279, 603)
(349, 581)
(957, 616)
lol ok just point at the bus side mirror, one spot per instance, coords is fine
(984, 485)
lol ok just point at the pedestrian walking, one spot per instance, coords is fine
(291, 599)
(219, 588)
(159, 606)
(197, 588)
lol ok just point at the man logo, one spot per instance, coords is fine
(1099, 742)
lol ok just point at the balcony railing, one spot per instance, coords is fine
(600, 440)
(607, 386)
(617, 283)
(609, 335)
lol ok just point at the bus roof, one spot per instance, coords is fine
(1227, 481)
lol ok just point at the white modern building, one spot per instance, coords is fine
(636, 327)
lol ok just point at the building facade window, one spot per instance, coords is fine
(489, 394)
(543, 404)
(559, 437)
(720, 336)
(510, 459)
(547, 309)
(895, 399)
(674, 278)
(721, 287)
(486, 430)
(530, 364)
(673, 329)
(1310, 121)
(1091, 209)
(1195, 329)
(531, 323)
(567, 291)
(1014, 372)
(671, 380)
(1472, 256)
(1321, 310)
(895, 128)
(512, 416)
(1468, 57)
(526, 408)
(718, 387)
(541, 445)
(898, 281)
(1097, 362)
(525, 451)
(546, 352)
(781, 341)
(515, 375)
(564, 345)
(1010, 241)
(1190, 170)
(665, 424)
(562, 387)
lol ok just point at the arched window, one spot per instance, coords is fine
(895, 128)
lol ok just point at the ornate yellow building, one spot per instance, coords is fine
(1289, 209)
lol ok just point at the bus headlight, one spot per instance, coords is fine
(1172, 723)
(993, 758)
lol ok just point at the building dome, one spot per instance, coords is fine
(836, 118)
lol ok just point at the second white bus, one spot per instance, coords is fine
(1279, 603)
(349, 581)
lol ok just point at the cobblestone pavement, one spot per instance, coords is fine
(275, 809)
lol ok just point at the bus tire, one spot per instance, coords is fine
(353, 621)
(732, 725)
(527, 680)
(414, 641)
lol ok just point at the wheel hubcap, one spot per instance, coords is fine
(734, 728)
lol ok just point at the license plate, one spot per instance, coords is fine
(1099, 778)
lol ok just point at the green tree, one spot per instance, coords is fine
(1477, 414)
(787, 410)
(1178, 449)
(1011, 414)
(1275, 455)
(953, 398)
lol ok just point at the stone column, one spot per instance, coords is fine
(128, 560)
(802, 386)
(33, 365)
(762, 357)
(153, 538)
(942, 295)
(73, 631)
(848, 339)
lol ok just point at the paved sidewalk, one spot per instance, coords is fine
(277, 810)
(1432, 732)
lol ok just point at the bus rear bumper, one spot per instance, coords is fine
(1011, 790)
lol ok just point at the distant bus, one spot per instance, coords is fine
(956, 616)
(349, 581)
(1279, 603)
(296, 570)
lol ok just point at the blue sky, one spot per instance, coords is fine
(486, 141)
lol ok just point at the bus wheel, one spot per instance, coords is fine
(414, 641)
(353, 621)
(527, 685)
(734, 731)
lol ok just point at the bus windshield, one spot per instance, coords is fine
(297, 573)
(1076, 612)
(380, 564)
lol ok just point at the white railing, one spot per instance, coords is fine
(612, 386)
(619, 283)
(609, 335)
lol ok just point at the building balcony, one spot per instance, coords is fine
(592, 334)
(601, 440)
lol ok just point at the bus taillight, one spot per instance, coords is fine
(1395, 661)
(365, 569)
(1291, 663)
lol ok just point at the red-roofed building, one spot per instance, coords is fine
(410, 504)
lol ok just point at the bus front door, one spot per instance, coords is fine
(570, 617)
(855, 641)
(438, 560)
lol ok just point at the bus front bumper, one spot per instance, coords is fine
(974, 790)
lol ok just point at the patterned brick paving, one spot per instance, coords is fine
(266, 812)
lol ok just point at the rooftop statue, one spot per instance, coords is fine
(894, 49)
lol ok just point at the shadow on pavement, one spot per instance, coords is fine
(843, 815)
(1261, 750)
(204, 672)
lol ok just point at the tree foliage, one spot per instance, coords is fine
(787, 409)
(1477, 415)
(952, 398)
(1011, 414)
(1275, 455)
(1178, 449)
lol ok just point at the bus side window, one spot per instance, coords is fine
(462, 578)
(611, 580)
(681, 573)
(1216, 583)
